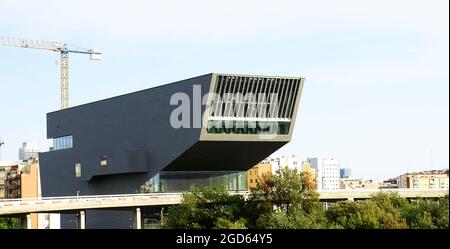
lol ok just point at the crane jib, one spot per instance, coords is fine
(61, 47)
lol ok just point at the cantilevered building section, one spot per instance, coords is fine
(242, 100)
(130, 143)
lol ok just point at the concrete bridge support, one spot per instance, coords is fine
(29, 225)
(137, 218)
(82, 219)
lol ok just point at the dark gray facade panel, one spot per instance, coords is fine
(223, 155)
(132, 130)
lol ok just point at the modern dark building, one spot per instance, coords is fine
(206, 130)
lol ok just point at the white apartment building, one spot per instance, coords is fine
(28, 150)
(281, 161)
(327, 171)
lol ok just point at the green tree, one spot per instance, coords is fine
(389, 210)
(207, 208)
(286, 199)
(442, 218)
(295, 218)
(390, 205)
(426, 214)
(9, 223)
(283, 190)
(222, 223)
(354, 215)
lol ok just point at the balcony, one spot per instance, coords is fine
(12, 177)
(13, 187)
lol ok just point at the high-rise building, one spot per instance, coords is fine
(29, 150)
(345, 173)
(327, 170)
(277, 162)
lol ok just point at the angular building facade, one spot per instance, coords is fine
(201, 131)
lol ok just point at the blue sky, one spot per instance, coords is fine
(376, 94)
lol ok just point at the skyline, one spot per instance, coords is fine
(376, 89)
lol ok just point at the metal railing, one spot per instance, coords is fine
(412, 190)
(114, 196)
(87, 197)
(168, 194)
(19, 205)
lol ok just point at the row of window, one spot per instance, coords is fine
(236, 96)
(61, 143)
(180, 181)
(103, 165)
(251, 180)
(247, 127)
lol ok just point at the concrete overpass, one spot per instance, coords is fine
(363, 194)
(68, 203)
(78, 204)
(26, 206)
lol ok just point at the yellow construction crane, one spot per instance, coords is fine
(60, 47)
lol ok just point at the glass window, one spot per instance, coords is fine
(60, 143)
(103, 161)
(180, 181)
(77, 169)
(247, 127)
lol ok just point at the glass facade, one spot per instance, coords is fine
(252, 105)
(243, 97)
(247, 127)
(61, 143)
(182, 181)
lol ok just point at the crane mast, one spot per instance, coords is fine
(64, 80)
(63, 48)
